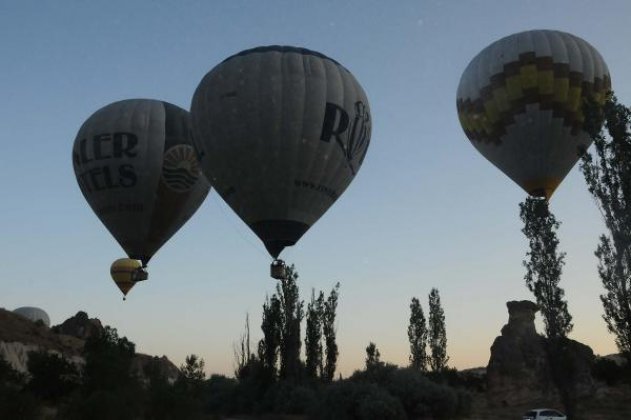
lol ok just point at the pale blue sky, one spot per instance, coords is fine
(426, 210)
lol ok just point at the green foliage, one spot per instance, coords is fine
(417, 334)
(419, 396)
(270, 344)
(328, 329)
(192, 370)
(190, 382)
(291, 316)
(607, 173)
(108, 360)
(544, 266)
(219, 394)
(15, 403)
(108, 387)
(437, 333)
(313, 336)
(105, 404)
(52, 376)
(8, 375)
(242, 353)
(357, 400)
(291, 399)
(373, 357)
(610, 372)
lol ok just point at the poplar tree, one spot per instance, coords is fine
(330, 334)
(417, 334)
(313, 336)
(270, 344)
(437, 333)
(544, 266)
(291, 316)
(607, 172)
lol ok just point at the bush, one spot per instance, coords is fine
(15, 404)
(52, 376)
(356, 400)
(219, 394)
(292, 399)
(418, 395)
(610, 372)
(105, 405)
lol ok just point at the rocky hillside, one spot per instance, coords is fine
(519, 374)
(19, 336)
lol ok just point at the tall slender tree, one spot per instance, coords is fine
(607, 172)
(241, 350)
(543, 274)
(330, 333)
(544, 265)
(270, 343)
(417, 334)
(437, 333)
(313, 336)
(292, 314)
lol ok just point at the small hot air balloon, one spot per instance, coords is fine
(126, 273)
(520, 103)
(281, 132)
(137, 167)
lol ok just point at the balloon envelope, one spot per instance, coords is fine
(124, 273)
(137, 168)
(281, 132)
(520, 103)
(34, 314)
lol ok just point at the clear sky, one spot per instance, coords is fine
(426, 210)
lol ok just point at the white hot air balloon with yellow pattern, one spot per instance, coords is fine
(520, 104)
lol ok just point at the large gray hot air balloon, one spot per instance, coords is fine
(137, 168)
(281, 133)
(520, 103)
(34, 314)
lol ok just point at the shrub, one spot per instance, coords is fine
(292, 399)
(219, 394)
(418, 395)
(52, 376)
(610, 372)
(356, 400)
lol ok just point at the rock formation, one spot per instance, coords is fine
(520, 369)
(19, 336)
(145, 366)
(80, 326)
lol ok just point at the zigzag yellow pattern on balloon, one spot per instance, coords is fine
(529, 80)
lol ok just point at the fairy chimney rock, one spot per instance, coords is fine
(521, 318)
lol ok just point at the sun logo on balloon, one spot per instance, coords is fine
(180, 169)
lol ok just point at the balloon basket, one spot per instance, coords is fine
(278, 270)
(140, 275)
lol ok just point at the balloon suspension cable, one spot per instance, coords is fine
(278, 269)
(238, 230)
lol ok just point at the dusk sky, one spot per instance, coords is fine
(425, 210)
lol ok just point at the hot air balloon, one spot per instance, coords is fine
(33, 314)
(281, 133)
(137, 167)
(126, 272)
(520, 103)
